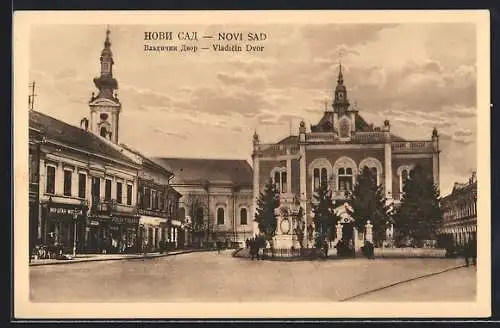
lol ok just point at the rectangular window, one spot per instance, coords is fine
(107, 190)
(51, 179)
(160, 200)
(129, 194)
(119, 190)
(147, 198)
(82, 185)
(154, 199)
(96, 188)
(67, 182)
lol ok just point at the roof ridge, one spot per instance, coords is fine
(200, 158)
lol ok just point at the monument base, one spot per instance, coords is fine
(285, 241)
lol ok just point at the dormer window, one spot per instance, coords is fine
(344, 128)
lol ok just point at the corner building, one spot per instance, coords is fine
(460, 212)
(335, 150)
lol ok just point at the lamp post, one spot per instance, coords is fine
(75, 219)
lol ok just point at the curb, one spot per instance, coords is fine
(400, 283)
(134, 257)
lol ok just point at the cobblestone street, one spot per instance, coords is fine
(213, 277)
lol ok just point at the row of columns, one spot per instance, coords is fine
(170, 234)
(462, 235)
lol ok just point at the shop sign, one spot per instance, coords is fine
(94, 223)
(152, 213)
(124, 220)
(65, 211)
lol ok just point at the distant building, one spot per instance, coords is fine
(35, 139)
(334, 151)
(157, 205)
(460, 212)
(217, 197)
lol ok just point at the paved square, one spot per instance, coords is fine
(212, 277)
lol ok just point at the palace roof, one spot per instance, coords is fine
(201, 170)
(72, 136)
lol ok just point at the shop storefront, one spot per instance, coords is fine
(112, 234)
(152, 232)
(59, 223)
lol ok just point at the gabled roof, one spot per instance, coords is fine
(201, 170)
(72, 136)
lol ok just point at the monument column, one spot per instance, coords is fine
(435, 157)
(303, 177)
(256, 179)
(387, 161)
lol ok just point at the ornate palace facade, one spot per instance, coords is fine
(334, 151)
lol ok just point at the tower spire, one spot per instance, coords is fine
(104, 120)
(340, 102)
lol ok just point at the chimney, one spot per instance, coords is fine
(473, 178)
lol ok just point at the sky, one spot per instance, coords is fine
(209, 104)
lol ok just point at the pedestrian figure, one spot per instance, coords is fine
(218, 243)
(325, 248)
(474, 252)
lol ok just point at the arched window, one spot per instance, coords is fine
(104, 132)
(243, 216)
(404, 178)
(320, 171)
(283, 182)
(316, 179)
(280, 179)
(220, 216)
(373, 171)
(324, 176)
(345, 182)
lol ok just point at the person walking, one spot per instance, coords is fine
(467, 254)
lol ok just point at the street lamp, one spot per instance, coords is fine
(75, 218)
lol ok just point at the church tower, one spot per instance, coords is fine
(105, 107)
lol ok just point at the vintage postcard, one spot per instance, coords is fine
(260, 164)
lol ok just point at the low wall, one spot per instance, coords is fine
(409, 252)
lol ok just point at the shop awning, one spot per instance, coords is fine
(152, 220)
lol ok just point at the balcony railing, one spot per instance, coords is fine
(107, 206)
(279, 149)
(412, 146)
(320, 137)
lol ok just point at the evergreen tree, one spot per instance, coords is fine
(324, 215)
(198, 225)
(369, 203)
(419, 215)
(265, 215)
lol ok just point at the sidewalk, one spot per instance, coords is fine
(108, 257)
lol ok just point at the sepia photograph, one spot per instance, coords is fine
(251, 164)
